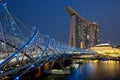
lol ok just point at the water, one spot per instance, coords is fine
(90, 70)
(97, 70)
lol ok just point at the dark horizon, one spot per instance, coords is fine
(53, 19)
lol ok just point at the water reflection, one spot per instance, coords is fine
(76, 74)
(90, 70)
(97, 70)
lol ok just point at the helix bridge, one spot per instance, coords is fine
(23, 47)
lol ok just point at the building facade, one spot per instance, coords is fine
(83, 34)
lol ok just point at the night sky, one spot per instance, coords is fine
(53, 19)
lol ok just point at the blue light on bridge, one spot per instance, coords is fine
(0, 63)
(12, 22)
(17, 78)
(41, 65)
(33, 38)
(39, 56)
(14, 28)
(16, 55)
(32, 65)
(26, 46)
(31, 41)
(15, 34)
(4, 5)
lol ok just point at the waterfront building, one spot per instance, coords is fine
(105, 48)
(83, 34)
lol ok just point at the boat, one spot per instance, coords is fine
(58, 71)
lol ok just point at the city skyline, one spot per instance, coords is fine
(53, 19)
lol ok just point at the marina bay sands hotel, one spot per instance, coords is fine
(83, 34)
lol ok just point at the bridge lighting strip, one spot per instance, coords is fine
(16, 52)
(32, 65)
(40, 56)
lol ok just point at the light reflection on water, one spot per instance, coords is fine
(91, 70)
(97, 70)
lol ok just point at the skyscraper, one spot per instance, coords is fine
(83, 34)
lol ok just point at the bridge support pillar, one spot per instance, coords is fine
(58, 66)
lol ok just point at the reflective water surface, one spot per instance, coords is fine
(97, 70)
(90, 70)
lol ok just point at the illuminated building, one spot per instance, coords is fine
(105, 49)
(83, 34)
